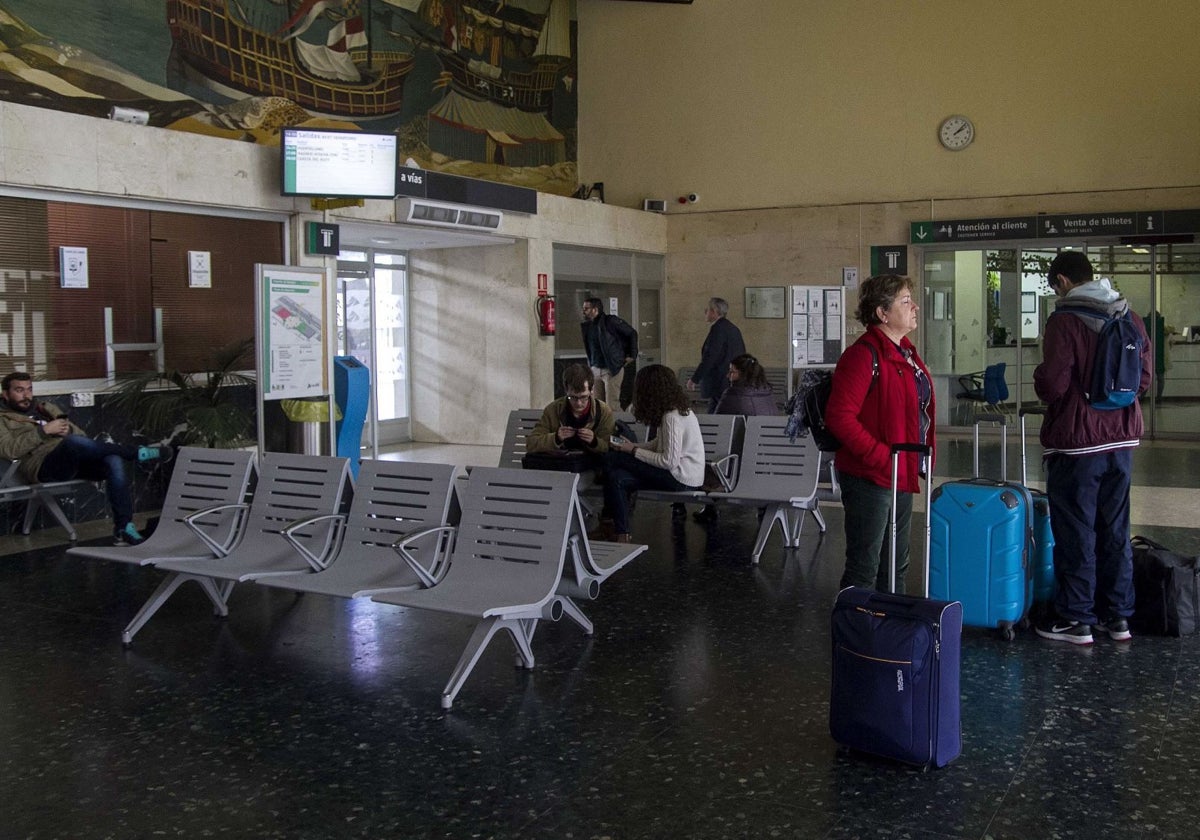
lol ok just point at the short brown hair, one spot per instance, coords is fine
(881, 290)
(576, 377)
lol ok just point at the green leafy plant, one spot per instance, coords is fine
(198, 408)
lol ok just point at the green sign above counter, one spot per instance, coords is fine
(1056, 226)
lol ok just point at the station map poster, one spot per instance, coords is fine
(293, 339)
(818, 328)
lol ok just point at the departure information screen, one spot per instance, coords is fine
(338, 164)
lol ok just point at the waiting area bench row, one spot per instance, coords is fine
(757, 465)
(505, 547)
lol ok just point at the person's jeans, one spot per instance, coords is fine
(626, 474)
(81, 457)
(868, 519)
(1089, 515)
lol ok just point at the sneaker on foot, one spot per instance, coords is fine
(1117, 629)
(128, 535)
(1061, 630)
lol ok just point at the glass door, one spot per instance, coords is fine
(372, 312)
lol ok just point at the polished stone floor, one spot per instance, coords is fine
(697, 710)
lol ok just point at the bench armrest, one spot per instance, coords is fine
(726, 468)
(332, 546)
(235, 533)
(441, 556)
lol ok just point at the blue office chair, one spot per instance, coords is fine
(986, 389)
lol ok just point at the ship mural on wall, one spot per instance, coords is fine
(484, 88)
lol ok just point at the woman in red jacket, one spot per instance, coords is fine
(881, 395)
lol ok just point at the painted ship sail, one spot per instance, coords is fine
(340, 78)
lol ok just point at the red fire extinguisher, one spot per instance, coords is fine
(545, 314)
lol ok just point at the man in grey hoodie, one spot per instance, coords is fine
(1089, 459)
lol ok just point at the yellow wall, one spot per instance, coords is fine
(778, 103)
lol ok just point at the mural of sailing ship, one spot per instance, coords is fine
(501, 65)
(343, 78)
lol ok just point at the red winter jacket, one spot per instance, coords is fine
(869, 417)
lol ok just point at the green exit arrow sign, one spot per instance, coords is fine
(920, 232)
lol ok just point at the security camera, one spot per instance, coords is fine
(693, 198)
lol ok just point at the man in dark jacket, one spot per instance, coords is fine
(610, 344)
(50, 447)
(724, 343)
(1089, 458)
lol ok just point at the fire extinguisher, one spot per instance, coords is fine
(545, 314)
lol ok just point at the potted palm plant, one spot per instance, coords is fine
(206, 408)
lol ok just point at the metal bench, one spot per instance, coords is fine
(392, 500)
(777, 475)
(38, 496)
(202, 478)
(591, 563)
(290, 488)
(507, 563)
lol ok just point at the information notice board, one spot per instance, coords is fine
(818, 326)
(293, 314)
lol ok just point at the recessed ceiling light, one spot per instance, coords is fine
(382, 241)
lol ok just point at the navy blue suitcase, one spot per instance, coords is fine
(895, 682)
(980, 543)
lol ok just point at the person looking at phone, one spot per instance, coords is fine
(50, 447)
(672, 460)
(575, 421)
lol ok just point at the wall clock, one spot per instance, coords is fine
(956, 133)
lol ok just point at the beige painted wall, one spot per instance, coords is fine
(778, 103)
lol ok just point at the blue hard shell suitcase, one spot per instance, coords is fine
(980, 548)
(895, 682)
(1042, 550)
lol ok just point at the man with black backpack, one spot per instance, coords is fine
(1096, 362)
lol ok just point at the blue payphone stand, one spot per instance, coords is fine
(352, 393)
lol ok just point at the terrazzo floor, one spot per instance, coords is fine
(697, 710)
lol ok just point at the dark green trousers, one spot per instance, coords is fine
(868, 533)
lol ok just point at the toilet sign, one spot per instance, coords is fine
(889, 259)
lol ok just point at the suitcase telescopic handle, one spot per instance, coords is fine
(1031, 409)
(925, 452)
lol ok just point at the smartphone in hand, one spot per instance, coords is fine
(617, 440)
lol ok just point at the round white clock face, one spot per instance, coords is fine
(956, 133)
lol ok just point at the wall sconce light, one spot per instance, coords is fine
(136, 116)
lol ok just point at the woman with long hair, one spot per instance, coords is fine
(672, 460)
(749, 392)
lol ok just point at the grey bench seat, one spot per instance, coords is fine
(507, 562)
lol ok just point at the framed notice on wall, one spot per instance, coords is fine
(766, 302)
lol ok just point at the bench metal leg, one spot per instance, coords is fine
(218, 595)
(772, 514)
(480, 637)
(817, 515)
(40, 499)
(571, 610)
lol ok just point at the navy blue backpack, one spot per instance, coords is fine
(1117, 371)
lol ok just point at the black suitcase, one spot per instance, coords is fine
(895, 684)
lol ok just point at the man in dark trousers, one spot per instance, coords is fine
(1088, 453)
(610, 344)
(723, 345)
(52, 448)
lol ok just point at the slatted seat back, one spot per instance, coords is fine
(511, 542)
(395, 498)
(520, 423)
(203, 478)
(775, 468)
(292, 487)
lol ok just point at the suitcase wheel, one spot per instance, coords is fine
(1007, 632)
